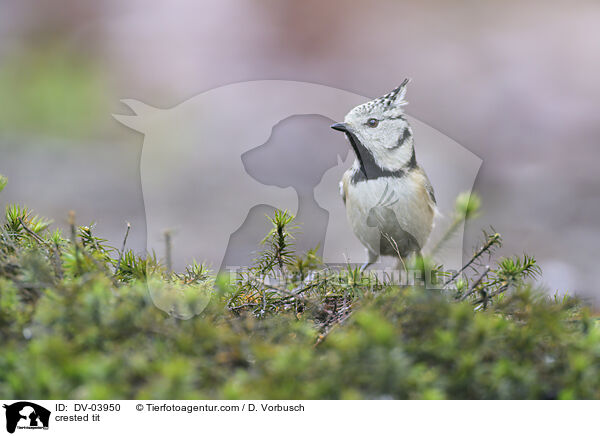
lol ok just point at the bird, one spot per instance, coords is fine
(390, 202)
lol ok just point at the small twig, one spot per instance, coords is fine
(54, 251)
(477, 282)
(122, 249)
(95, 261)
(264, 302)
(321, 338)
(294, 293)
(168, 251)
(31, 232)
(74, 240)
(499, 291)
(491, 241)
(394, 245)
(57, 262)
(242, 306)
(278, 289)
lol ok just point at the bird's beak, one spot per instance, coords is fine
(340, 127)
(358, 148)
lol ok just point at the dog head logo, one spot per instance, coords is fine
(26, 415)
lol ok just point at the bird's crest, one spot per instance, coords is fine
(390, 103)
(395, 97)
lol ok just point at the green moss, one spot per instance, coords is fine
(73, 327)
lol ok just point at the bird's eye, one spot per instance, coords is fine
(372, 122)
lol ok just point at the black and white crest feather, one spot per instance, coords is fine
(392, 101)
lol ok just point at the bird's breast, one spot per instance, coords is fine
(391, 205)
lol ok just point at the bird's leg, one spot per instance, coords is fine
(372, 259)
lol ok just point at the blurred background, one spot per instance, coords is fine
(514, 82)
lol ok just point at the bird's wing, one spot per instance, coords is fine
(429, 188)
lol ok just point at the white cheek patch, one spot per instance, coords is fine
(403, 139)
(393, 160)
(392, 148)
